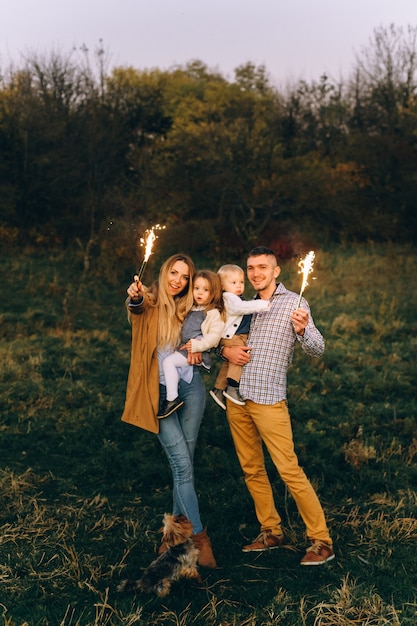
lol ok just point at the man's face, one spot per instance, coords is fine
(262, 272)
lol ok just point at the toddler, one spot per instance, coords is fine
(236, 330)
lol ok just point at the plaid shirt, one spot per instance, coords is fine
(272, 340)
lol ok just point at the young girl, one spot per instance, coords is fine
(201, 331)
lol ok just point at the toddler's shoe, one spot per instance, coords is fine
(168, 407)
(232, 393)
(217, 395)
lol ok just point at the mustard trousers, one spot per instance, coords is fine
(253, 424)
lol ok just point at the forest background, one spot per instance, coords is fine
(89, 161)
(93, 158)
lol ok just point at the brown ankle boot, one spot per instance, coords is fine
(202, 542)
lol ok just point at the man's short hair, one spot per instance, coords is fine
(262, 250)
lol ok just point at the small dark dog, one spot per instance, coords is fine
(178, 561)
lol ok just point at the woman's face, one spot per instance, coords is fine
(178, 278)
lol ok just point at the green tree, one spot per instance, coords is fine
(217, 161)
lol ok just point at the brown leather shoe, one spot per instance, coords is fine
(264, 541)
(206, 556)
(318, 553)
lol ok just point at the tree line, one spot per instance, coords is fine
(96, 156)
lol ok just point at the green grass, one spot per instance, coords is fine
(82, 495)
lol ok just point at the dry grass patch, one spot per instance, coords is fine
(82, 495)
(353, 604)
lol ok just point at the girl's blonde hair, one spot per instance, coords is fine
(215, 287)
(172, 311)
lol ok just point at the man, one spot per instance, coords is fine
(265, 417)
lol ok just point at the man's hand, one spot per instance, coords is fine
(299, 319)
(238, 355)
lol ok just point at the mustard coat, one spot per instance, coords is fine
(142, 392)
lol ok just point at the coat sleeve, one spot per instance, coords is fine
(142, 392)
(211, 329)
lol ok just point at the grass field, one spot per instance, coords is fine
(82, 495)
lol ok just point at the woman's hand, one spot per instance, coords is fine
(135, 290)
(195, 358)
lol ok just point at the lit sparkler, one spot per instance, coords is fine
(148, 240)
(306, 267)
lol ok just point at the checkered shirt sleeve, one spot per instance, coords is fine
(272, 340)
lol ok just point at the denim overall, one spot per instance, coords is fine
(191, 329)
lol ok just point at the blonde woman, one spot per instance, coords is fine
(157, 315)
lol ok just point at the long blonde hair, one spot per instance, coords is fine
(172, 311)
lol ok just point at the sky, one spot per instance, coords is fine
(293, 39)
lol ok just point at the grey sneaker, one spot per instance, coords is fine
(232, 393)
(217, 395)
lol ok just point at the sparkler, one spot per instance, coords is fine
(306, 267)
(148, 240)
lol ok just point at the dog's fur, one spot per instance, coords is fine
(178, 561)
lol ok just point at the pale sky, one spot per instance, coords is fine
(293, 38)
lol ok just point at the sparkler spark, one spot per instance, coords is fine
(306, 267)
(148, 240)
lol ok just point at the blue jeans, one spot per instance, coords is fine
(178, 436)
